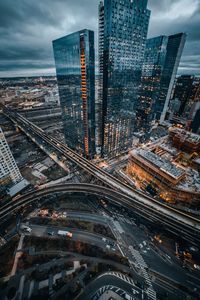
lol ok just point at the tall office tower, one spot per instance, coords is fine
(175, 47)
(162, 57)
(123, 27)
(186, 96)
(196, 122)
(183, 91)
(155, 55)
(75, 69)
(9, 172)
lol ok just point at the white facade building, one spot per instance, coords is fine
(9, 168)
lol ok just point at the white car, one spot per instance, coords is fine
(26, 228)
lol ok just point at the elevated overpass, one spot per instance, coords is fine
(113, 196)
(135, 198)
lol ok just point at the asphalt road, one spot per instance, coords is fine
(105, 280)
(78, 235)
(161, 263)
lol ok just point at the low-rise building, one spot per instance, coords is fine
(161, 170)
(185, 140)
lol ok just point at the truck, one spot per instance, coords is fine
(65, 233)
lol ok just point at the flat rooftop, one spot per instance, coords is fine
(163, 164)
(18, 187)
(192, 137)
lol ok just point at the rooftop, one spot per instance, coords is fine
(163, 164)
(18, 187)
(194, 138)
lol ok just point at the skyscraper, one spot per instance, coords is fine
(187, 93)
(123, 27)
(162, 57)
(75, 69)
(10, 176)
(155, 55)
(183, 91)
(175, 47)
(196, 122)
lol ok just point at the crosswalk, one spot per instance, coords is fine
(143, 267)
(151, 293)
(139, 259)
(122, 277)
(112, 288)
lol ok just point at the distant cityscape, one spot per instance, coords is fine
(100, 167)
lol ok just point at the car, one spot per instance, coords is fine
(26, 228)
(49, 232)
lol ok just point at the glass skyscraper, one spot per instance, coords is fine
(123, 26)
(162, 57)
(175, 47)
(155, 55)
(183, 91)
(75, 69)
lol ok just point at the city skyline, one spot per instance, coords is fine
(26, 32)
(100, 150)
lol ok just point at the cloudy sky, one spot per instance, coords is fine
(27, 28)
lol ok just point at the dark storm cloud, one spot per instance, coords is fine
(169, 17)
(27, 28)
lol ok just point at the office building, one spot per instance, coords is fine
(75, 69)
(10, 176)
(185, 140)
(187, 96)
(162, 57)
(196, 122)
(165, 168)
(123, 27)
(155, 55)
(183, 91)
(175, 47)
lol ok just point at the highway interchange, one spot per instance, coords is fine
(111, 195)
(116, 192)
(148, 207)
(167, 271)
(127, 234)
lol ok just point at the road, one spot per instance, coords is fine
(137, 197)
(187, 231)
(78, 235)
(108, 281)
(166, 270)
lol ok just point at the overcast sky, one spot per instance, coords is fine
(27, 28)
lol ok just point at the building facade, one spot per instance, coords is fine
(185, 140)
(9, 172)
(123, 27)
(162, 57)
(75, 69)
(155, 55)
(183, 91)
(160, 177)
(187, 95)
(196, 122)
(175, 47)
